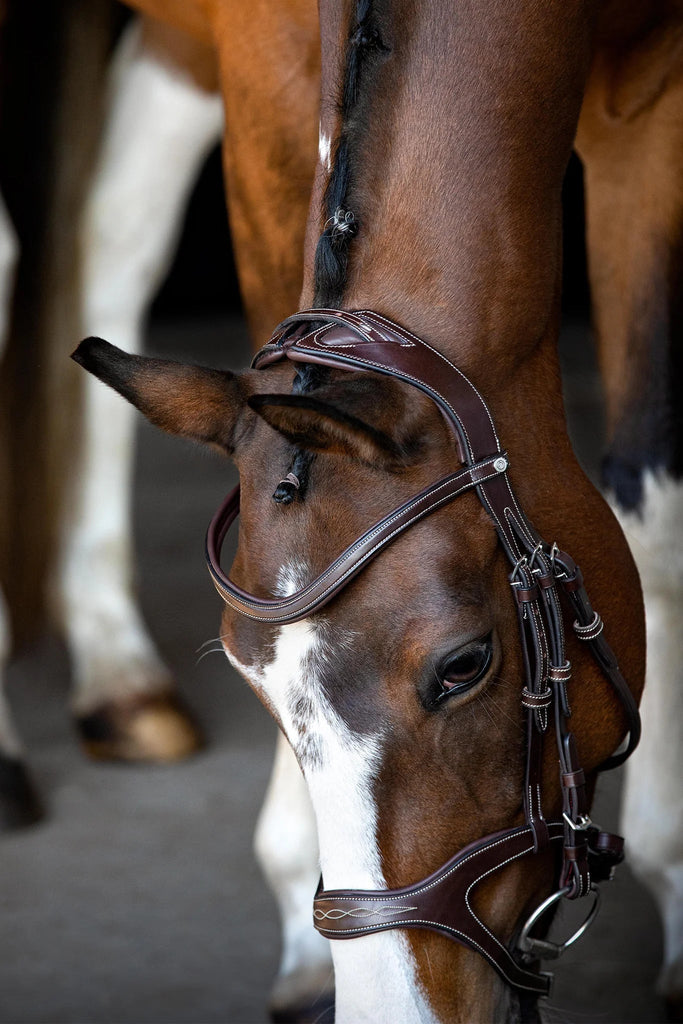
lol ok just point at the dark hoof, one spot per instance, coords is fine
(20, 805)
(157, 729)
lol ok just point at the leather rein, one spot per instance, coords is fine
(365, 340)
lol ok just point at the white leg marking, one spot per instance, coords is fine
(375, 975)
(9, 254)
(159, 129)
(653, 798)
(10, 744)
(286, 845)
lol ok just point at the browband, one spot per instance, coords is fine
(324, 587)
(365, 340)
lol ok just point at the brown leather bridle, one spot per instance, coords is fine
(365, 340)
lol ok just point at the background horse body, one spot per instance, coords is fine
(162, 116)
(630, 138)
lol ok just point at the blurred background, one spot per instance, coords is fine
(136, 897)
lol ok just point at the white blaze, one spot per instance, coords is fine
(375, 976)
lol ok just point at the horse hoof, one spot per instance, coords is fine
(155, 729)
(301, 998)
(20, 804)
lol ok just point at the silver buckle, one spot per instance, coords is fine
(544, 949)
(580, 825)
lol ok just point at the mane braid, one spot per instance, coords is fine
(364, 45)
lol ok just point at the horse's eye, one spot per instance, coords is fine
(465, 668)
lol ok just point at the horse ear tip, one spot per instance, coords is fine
(86, 353)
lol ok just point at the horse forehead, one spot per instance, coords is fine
(301, 676)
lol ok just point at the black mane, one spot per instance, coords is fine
(364, 46)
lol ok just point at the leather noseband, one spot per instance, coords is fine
(364, 340)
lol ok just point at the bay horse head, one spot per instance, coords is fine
(429, 734)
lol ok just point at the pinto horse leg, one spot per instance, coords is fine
(286, 847)
(631, 140)
(160, 125)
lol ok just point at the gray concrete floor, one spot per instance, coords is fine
(138, 900)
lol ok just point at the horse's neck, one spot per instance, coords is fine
(457, 148)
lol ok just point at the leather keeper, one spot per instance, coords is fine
(573, 582)
(572, 780)
(591, 630)
(545, 581)
(574, 854)
(536, 700)
(560, 673)
(607, 843)
(525, 594)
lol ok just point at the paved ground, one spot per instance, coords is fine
(138, 901)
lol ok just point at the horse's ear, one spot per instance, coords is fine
(191, 401)
(362, 416)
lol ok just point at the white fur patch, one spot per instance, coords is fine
(286, 845)
(375, 975)
(653, 798)
(325, 150)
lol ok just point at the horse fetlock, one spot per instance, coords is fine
(154, 728)
(112, 655)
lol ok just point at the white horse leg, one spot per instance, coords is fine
(159, 129)
(653, 799)
(286, 846)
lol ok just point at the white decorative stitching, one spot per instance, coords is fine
(239, 603)
(403, 375)
(336, 914)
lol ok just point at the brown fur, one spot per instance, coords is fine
(630, 139)
(459, 239)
